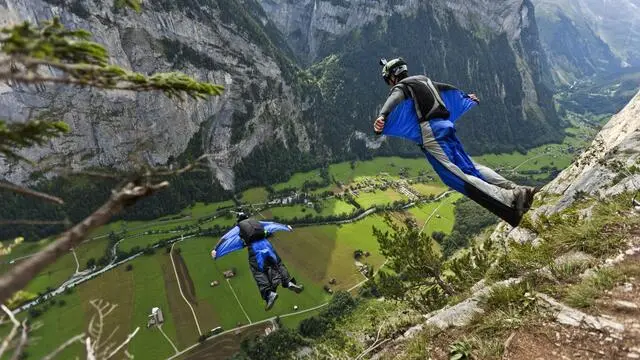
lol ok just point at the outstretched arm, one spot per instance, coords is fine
(271, 227)
(228, 243)
(395, 97)
(446, 87)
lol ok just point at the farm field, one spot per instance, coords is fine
(230, 312)
(224, 346)
(328, 207)
(429, 189)
(332, 249)
(379, 197)
(134, 293)
(440, 215)
(314, 255)
(255, 195)
(298, 179)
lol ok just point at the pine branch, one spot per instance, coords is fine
(82, 62)
(20, 275)
(115, 78)
(16, 136)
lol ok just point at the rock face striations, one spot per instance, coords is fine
(588, 37)
(301, 77)
(609, 167)
(211, 41)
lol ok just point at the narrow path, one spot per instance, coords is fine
(238, 300)
(529, 159)
(271, 319)
(430, 216)
(82, 278)
(364, 281)
(175, 271)
(169, 340)
(255, 208)
(73, 251)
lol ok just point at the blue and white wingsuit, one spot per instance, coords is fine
(444, 151)
(266, 266)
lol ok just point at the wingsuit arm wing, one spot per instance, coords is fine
(443, 86)
(457, 102)
(229, 242)
(403, 122)
(395, 97)
(270, 227)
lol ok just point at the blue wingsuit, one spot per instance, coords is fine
(266, 266)
(444, 151)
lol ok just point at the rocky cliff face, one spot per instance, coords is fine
(213, 41)
(490, 47)
(271, 111)
(609, 167)
(587, 37)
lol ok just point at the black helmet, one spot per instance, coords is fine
(241, 215)
(393, 67)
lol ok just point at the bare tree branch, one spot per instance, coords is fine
(103, 309)
(108, 347)
(34, 222)
(90, 353)
(14, 330)
(20, 275)
(77, 338)
(375, 343)
(29, 192)
(98, 175)
(193, 166)
(189, 167)
(22, 343)
(123, 344)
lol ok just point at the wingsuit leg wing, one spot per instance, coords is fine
(444, 151)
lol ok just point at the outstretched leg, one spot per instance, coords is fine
(281, 275)
(494, 178)
(447, 156)
(261, 277)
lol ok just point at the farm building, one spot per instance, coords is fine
(155, 318)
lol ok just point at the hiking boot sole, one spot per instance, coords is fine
(272, 302)
(297, 289)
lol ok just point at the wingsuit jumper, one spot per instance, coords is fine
(265, 264)
(425, 112)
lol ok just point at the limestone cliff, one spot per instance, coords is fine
(489, 47)
(268, 109)
(213, 42)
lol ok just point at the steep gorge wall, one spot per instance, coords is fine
(211, 41)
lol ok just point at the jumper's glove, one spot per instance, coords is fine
(378, 125)
(213, 254)
(474, 97)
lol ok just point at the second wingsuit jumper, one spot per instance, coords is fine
(425, 112)
(267, 268)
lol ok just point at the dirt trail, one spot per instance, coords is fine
(554, 341)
